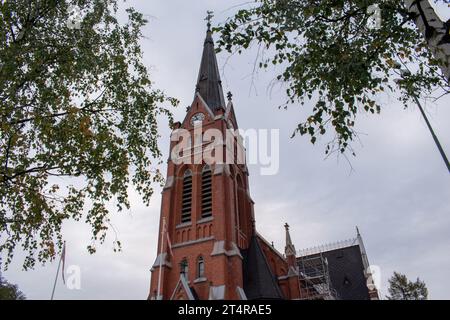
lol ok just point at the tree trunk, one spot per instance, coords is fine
(435, 31)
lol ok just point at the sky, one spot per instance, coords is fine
(396, 190)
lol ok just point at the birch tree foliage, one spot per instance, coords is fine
(78, 121)
(334, 53)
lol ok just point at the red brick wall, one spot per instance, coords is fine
(277, 264)
(220, 269)
(280, 267)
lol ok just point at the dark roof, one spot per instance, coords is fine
(259, 282)
(346, 269)
(209, 85)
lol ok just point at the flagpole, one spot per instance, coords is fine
(159, 297)
(56, 278)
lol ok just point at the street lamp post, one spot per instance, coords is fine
(436, 140)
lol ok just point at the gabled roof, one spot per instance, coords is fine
(183, 286)
(346, 271)
(347, 266)
(209, 85)
(259, 282)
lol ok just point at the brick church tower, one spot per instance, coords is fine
(206, 210)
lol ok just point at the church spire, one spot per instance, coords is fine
(289, 249)
(209, 85)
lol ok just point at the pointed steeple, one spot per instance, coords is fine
(289, 249)
(209, 85)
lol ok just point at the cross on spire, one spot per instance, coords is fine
(208, 18)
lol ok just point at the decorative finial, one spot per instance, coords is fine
(208, 18)
(286, 226)
(229, 95)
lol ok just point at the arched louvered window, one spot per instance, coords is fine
(200, 267)
(206, 192)
(186, 197)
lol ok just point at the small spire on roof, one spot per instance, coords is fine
(229, 95)
(289, 249)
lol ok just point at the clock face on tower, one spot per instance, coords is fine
(197, 118)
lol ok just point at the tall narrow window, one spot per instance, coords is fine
(241, 205)
(184, 268)
(186, 197)
(200, 267)
(206, 192)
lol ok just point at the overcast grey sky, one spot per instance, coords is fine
(398, 192)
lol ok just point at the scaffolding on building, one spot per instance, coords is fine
(315, 278)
